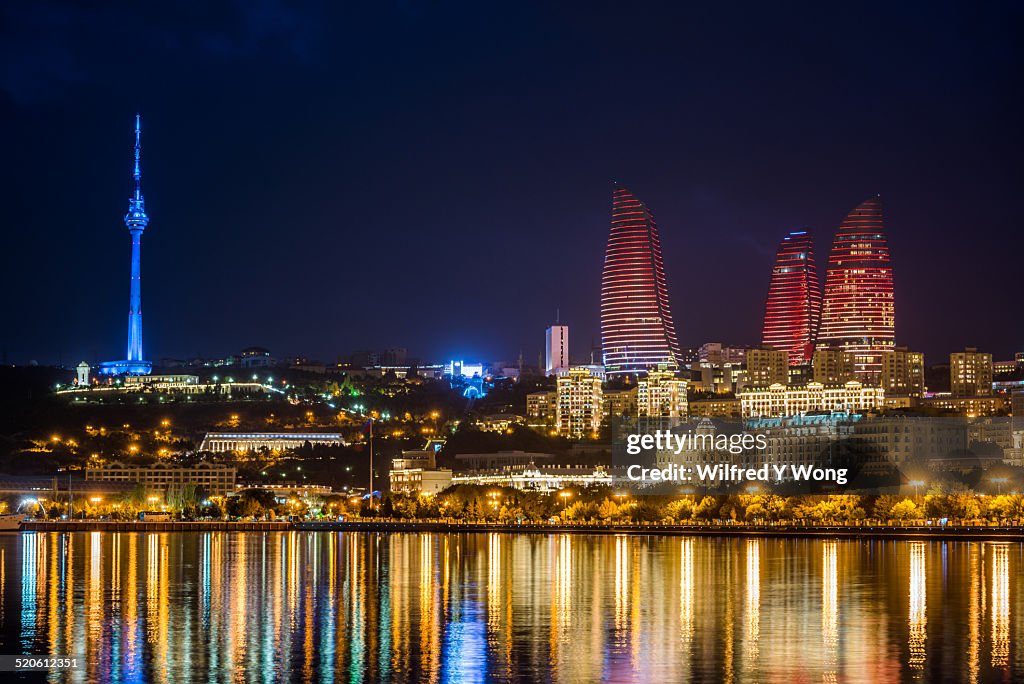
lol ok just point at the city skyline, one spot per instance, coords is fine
(304, 236)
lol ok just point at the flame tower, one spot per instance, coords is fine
(858, 312)
(793, 307)
(136, 220)
(637, 332)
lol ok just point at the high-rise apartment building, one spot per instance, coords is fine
(970, 373)
(578, 404)
(660, 394)
(793, 307)
(903, 373)
(767, 367)
(858, 311)
(556, 349)
(637, 331)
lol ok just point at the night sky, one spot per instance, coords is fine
(438, 176)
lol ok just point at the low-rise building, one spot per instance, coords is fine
(779, 400)
(967, 406)
(216, 479)
(714, 408)
(500, 459)
(533, 478)
(499, 422)
(240, 442)
(416, 472)
(620, 403)
(540, 410)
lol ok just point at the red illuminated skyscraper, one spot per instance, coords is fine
(858, 311)
(637, 332)
(793, 307)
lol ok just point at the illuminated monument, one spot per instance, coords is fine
(136, 220)
(637, 332)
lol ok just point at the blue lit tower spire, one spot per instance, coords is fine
(136, 220)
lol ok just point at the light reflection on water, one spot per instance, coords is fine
(315, 606)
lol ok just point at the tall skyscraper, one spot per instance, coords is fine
(858, 310)
(136, 220)
(556, 349)
(637, 332)
(793, 307)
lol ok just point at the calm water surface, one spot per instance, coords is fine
(320, 606)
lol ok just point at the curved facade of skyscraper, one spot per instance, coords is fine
(858, 309)
(637, 332)
(793, 307)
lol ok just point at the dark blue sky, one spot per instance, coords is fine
(438, 176)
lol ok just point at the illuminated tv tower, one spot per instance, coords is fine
(136, 220)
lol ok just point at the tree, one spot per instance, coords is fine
(706, 509)
(580, 511)
(905, 510)
(680, 509)
(883, 506)
(608, 510)
(965, 506)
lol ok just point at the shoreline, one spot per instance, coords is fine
(909, 532)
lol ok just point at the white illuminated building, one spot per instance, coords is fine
(779, 400)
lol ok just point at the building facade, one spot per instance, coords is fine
(216, 479)
(556, 349)
(792, 309)
(416, 472)
(782, 401)
(833, 366)
(970, 373)
(637, 329)
(660, 394)
(858, 309)
(239, 442)
(540, 409)
(766, 367)
(903, 373)
(578, 406)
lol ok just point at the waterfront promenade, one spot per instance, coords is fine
(965, 532)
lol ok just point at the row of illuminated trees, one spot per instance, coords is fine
(472, 503)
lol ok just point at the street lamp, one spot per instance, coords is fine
(565, 498)
(916, 484)
(1000, 481)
